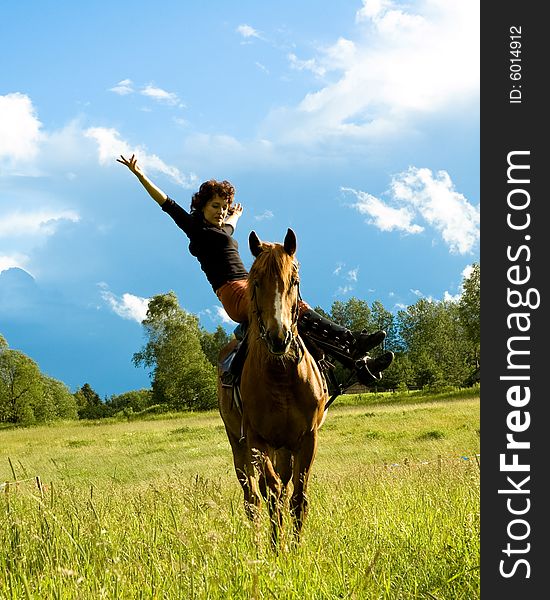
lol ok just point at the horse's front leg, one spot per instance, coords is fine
(252, 496)
(303, 460)
(271, 484)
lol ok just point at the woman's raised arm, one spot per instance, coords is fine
(156, 193)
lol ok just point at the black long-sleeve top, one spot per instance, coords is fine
(216, 249)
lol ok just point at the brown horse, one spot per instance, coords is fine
(274, 440)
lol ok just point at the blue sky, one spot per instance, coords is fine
(356, 123)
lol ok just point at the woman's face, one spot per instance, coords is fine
(215, 211)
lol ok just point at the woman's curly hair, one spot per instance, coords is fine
(208, 190)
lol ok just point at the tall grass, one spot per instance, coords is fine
(153, 510)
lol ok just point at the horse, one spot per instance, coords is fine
(274, 433)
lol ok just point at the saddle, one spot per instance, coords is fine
(232, 365)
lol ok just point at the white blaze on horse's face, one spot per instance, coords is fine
(278, 308)
(279, 324)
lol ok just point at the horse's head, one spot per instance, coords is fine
(274, 291)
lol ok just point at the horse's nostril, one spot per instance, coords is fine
(278, 342)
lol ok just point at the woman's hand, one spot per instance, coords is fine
(131, 163)
(236, 210)
(233, 215)
(156, 193)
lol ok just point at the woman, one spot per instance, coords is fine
(210, 226)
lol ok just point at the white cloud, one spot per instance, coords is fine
(222, 315)
(385, 217)
(16, 259)
(23, 232)
(353, 274)
(335, 57)
(20, 128)
(445, 209)
(122, 88)
(419, 194)
(448, 297)
(248, 32)
(387, 17)
(400, 65)
(217, 314)
(371, 9)
(127, 306)
(350, 275)
(29, 224)
(306, 65)
(161, 95)
(343, 290)
(126, 87)
(266, 215)
(467, 271)
(111, 146)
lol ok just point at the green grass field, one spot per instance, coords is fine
(152, 509)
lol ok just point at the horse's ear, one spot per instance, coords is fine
(290, 242)
(254, 244)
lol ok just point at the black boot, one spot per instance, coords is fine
(336, 340)
(364, 342)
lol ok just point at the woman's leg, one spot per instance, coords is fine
(234, 297)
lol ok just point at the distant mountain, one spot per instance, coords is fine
(18, 289)
(15, 277)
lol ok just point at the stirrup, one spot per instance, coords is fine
(369, 370)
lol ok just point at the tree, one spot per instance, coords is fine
(181, 374)
(436, 343)
(89, 404)
(354, 314)
(134, 401)
(469, 310)
(401, 373)
(384, 319)
(59, 397)
(212, 343)
(20, 386)
(28, 396)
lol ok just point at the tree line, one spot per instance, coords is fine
(436, 345)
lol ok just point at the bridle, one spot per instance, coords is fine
(292, 334)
